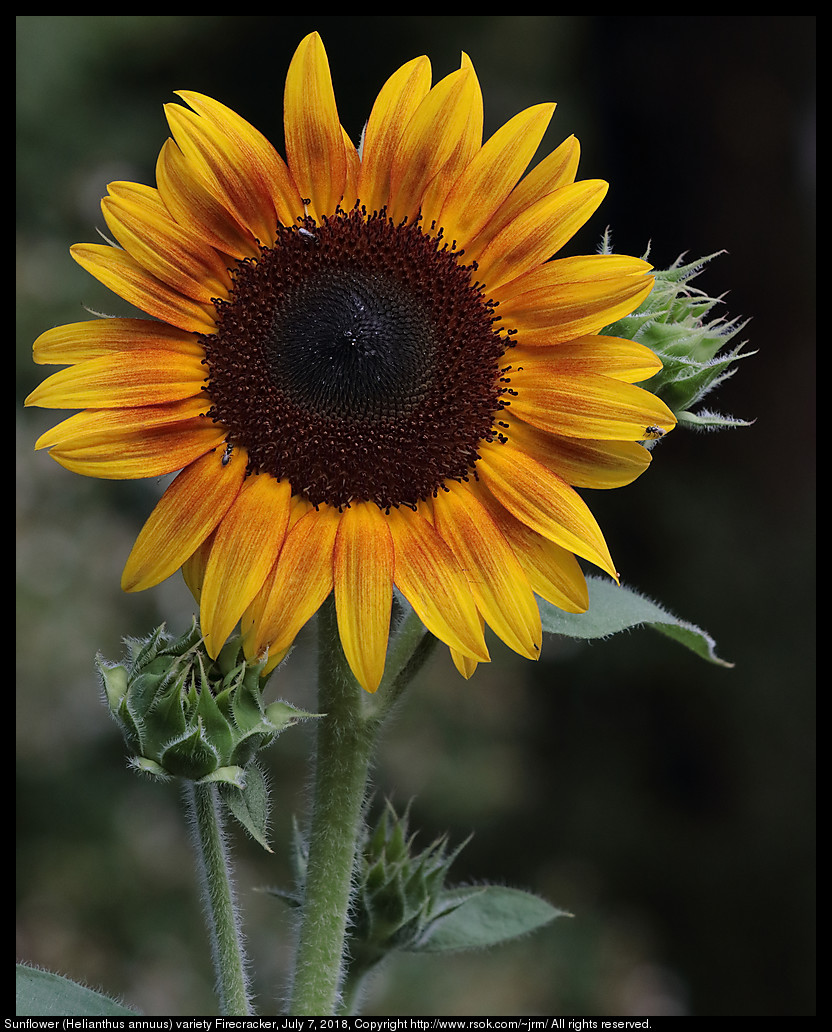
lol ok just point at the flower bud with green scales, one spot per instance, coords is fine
(675, 322)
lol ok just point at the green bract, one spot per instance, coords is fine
(674, 322)
(185, 715)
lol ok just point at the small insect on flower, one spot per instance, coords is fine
(653, 433)
(226, 455)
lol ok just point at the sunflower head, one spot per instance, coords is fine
(369, 366)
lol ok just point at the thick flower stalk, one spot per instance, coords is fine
(367, 365)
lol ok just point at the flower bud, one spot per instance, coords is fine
(675, 322)
(186, 715)
(400, 892)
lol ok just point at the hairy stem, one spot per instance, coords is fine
(214, 867)
(344, 748)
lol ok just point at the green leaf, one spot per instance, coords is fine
(250, 804)
(613, 609)
(44, 994)
(493, 914)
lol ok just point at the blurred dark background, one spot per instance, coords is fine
(667, 803)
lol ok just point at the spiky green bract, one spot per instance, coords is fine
(675, 322)
(185, 715)
(401, 892)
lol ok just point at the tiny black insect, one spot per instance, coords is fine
(652, 433)
(226, 455)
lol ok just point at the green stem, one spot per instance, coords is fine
(213, 864)
(344, 749)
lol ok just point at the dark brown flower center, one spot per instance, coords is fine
(359, 360)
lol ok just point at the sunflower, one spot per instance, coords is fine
(366, 365)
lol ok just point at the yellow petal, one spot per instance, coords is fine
(353, 170)
(392, 110)
(556, 170)
(191, 196)
(489, 178)
(128, 444)
(597, 464)
(544, 502)
(268, 188)
(498, 583)
(432, 581)
(187, 512)
(122, 274)
(314, 140)
(468, 144)
(608, 356)
(193, 569)
(298, 584)
(554, 573)
(246, 544)
(466, 665)
(140, 222)
(147, 378)
(589, 406)
(363, 581)
(572, 297)
(537, 233)
(94, 338)
(428, 141)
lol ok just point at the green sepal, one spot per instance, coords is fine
(192, 756)
(151, 767)
(675, 322)
(234, 776)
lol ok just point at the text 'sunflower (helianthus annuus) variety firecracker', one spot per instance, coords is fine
(367, 365)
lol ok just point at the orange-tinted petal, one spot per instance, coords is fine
(467, 146)
(538, 232)
(191, 200)
(498, 583)
(94, 338)
(554, 573)
(314, 139)
(608, 356)
(431, 579)
(147, 378)
(298, 584)
(122, 274)
(589, 406)
(187, 512)
(246, 544)
(392, 110)
(140, 222)
(489, 178)
(127, 444)
(269, 193)
(556, 170)
(572, 297)
(597, 464)
(544, 502)
(363, 580)
(428, 141)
